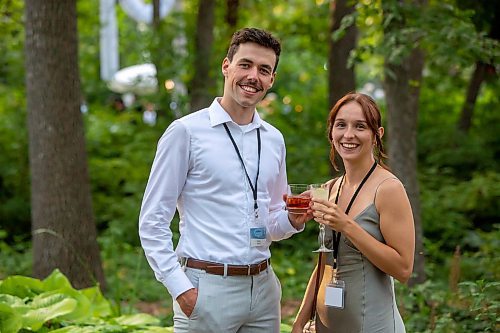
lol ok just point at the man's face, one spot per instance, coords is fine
(249, 76)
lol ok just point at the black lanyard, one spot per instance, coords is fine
(336, 235)
(254, 189)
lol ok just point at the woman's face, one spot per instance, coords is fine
(352, 137)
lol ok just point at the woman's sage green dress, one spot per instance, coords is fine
(369, 302)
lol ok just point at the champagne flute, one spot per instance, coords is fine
(320, 191)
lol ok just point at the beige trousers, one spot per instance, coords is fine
(232, 304)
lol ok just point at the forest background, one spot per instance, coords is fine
(431, 65)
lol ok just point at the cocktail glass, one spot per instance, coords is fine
(320, 191)
(297, 200)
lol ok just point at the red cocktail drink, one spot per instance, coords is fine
(298, 199)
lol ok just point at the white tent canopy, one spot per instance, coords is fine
(139, 78)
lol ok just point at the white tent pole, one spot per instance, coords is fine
(109, 59)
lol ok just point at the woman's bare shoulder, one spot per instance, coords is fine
(388, 186)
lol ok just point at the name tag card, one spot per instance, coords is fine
(334, 294)
(257, 236)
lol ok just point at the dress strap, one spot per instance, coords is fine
(376, 190)
(329, 185)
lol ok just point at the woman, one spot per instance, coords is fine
(375, 238)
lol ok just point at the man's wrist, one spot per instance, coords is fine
(293, 222)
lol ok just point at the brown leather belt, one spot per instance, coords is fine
(232, 270)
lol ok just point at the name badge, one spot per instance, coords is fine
(257, 236)
(334, 294)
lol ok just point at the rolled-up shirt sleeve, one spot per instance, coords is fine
(166, 181)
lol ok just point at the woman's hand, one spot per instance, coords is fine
(329, 214)
(309, 327)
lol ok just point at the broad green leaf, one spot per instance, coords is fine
(13, 301)
(21, 286)
(72, 329)
(45, 307)
(83, 304)
(137, 319)
(10, 320)
(56, 280)
(154, 329)
(86, 307)
(99, 306)
(82, 310)
(90, 329)
(285, 328)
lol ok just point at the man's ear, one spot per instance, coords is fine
(225, 65)
(272, 80)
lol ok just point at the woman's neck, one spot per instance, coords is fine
(355, 172)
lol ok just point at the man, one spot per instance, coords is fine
(224, 169)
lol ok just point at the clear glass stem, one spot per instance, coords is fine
(322, 235)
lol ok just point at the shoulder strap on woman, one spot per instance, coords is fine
(383, 181)
(329, 185)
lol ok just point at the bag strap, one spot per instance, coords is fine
(319, 273)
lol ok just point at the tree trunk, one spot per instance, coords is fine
(341, 79)
(483, 71)
(63, 229)
(156, 14)
(402, 87)
(232, 13)
(477, 79)
(202, 86)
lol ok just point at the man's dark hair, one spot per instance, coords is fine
(254, 35)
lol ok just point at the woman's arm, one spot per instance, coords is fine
(395, 257)
(304, 313)
(398, 228)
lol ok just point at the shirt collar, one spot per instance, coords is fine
(219, 116)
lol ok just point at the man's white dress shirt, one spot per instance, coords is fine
(197, 170)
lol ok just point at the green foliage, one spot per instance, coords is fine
(15, 256)
(468, 303)
(391, 29)
(129, 276)
(14, 168)
(481, 261)
(12, 32)
(449, 206)
(430, 307)
(121, 145)
(464, 44)
(53, 305)
(293, 262)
